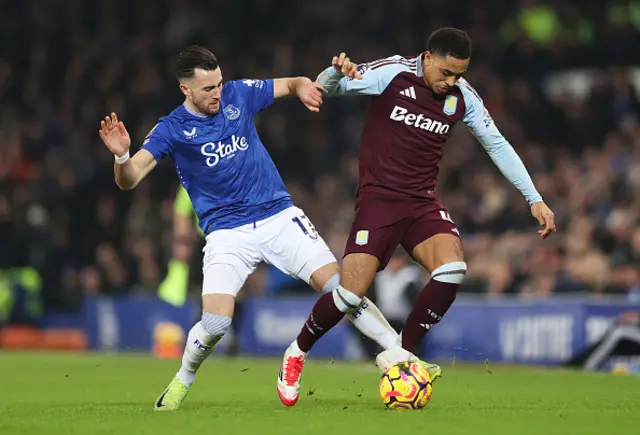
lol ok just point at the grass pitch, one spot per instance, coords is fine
(42, 393)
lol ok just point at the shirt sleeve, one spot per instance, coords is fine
(257, 93)
(158, 141)
(479, 121)
(376, 76)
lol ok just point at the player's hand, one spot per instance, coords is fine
(344, 65)
(114, 135)
(311, 95)
(545, 218)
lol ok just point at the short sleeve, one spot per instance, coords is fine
(257, 93)
(158, 141)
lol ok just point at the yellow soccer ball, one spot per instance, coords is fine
(406, 385)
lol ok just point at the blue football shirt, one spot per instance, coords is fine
(220, 159)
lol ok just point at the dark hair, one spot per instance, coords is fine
(194, 57)
(450, 41)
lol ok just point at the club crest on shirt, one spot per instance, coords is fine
(362, 237)
(231, 112)
(450, 105)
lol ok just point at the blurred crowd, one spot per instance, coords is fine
(65, 64)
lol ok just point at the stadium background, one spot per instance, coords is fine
(559, 78)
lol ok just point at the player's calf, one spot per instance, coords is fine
(433, 302)
(326, 313)
(367, 319)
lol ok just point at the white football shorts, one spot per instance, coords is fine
(287, 240)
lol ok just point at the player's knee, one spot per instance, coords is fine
(214, 324)
(331, 284)
(346, 301)
(453, 272)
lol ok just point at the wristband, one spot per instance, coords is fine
(122, 159)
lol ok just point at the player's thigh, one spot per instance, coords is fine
(230, 256)
(433, 239)
(437, 250)
(377, 228)
(358, 272)
(291, 243)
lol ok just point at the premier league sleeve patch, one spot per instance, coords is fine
(362, 68)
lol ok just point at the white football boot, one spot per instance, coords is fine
(394, 355)
(290, 374)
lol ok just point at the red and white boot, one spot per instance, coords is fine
(290, 373)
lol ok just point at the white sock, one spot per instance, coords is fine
(371, 323)
(198, 347)
(367, 319)
(295, 350)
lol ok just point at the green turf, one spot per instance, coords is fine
(99, 394)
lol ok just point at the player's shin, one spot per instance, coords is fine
(433, 302)
(326, 313)
(201, 340)
(372, 323)
(368, 319)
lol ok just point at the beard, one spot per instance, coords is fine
(208, 108)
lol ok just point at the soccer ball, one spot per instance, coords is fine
(406, 385)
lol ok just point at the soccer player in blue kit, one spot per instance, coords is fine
(242, 204)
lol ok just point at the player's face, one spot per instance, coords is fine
(203, 90)
(442, 72)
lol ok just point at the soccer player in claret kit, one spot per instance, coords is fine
(416, 101)
(241, 202)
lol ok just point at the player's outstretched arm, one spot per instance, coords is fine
(345, 77)
(341, 69)
(512, 167)
(310, 93)
(504, 156)
(128, 172)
